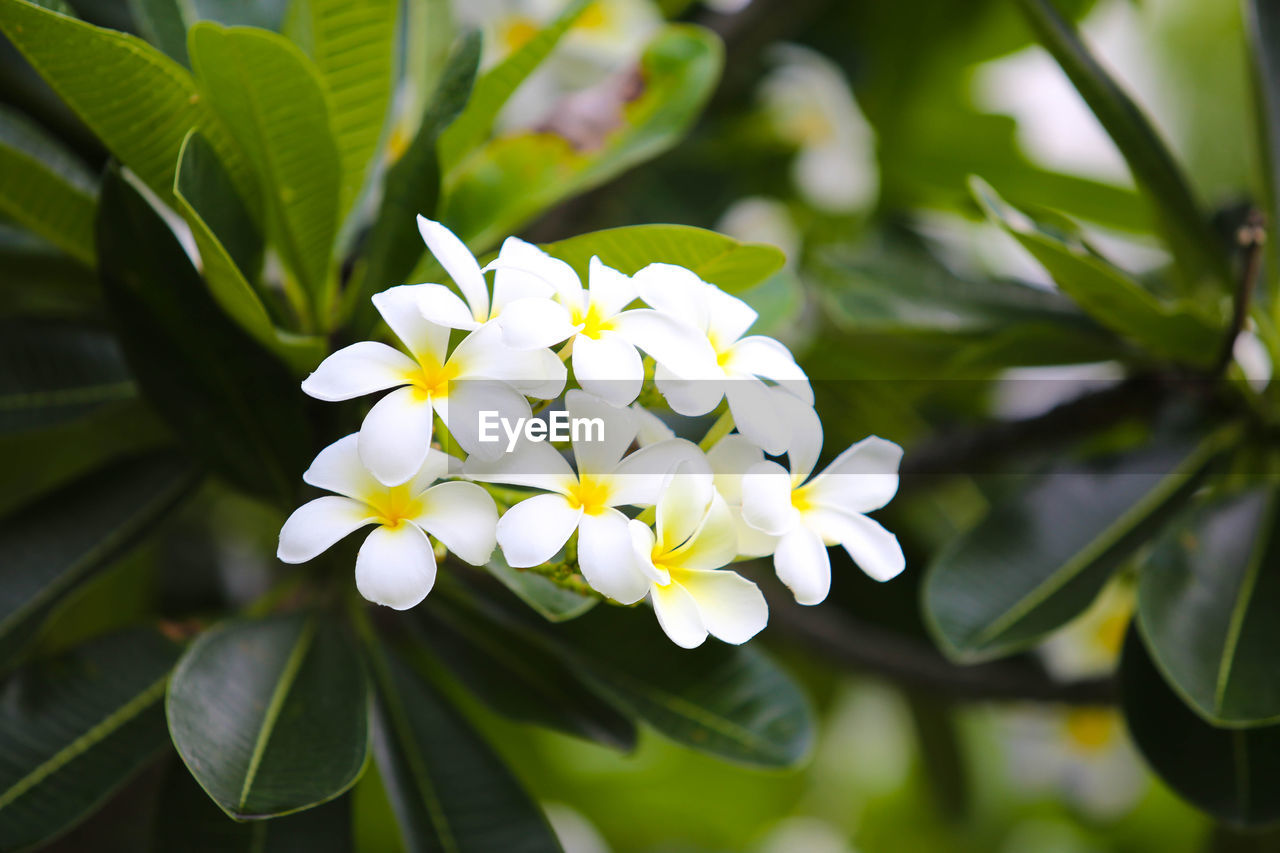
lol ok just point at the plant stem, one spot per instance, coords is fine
(1251, 238)
(722, 427)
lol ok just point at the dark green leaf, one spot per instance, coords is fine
(1189, 234)
(222, 393)
(1209, 609)
(1263, 18)
(74, 728)
(42, 281)
(271, 716)
(164, 23)
(1040, 557)
(52, 372)
(52, 545)
(447, 788)
(1233, 774)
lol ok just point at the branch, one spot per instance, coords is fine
(1251, 237)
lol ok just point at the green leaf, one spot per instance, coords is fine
(519, 680)
(1112, 297)
(187, 820)
(140, 103)
(496, 87)
(75, 728)
(54, 372)
(723, 261)
(513, 178)
(271, 716)
(41, 281)
(353, 46)
(164, 23)
(547, 598)
(1209, 609)
(447, 788)
(229, 243)
(412, 185)
(271, 97)
(1041, 556)
(1189, 234)
(224, 395)
(55, 543)
(1263, 25)
(44, 187)
(1233, 774)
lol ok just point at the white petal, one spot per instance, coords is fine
(542, 374)
(761, 356)
(802, 563)
(642, 542)
(804, 443)
(874, 549)
(652, 429)
(682, 507)
(338, 468)
(639, 477)
(473, 403)
(598, 451)
(396, 435)
(755, 413)
(396, 566)
(713, 544)
(766, 499)
(607, 559)
(861, 479)
(401, 307)
(732, 608)
(464, 517)
(678, 615)
(534, 530)
(437, 466)
(689, 397)
(730, 458)
(359, 369)
(673, 343)
(675, 291)
(752, 542)
(524, 270)
(459, 263)
(318, 524)
(441, 306)
(533, 323)
(532, 464)
(608, 367)
(607, 288)
(728, 317)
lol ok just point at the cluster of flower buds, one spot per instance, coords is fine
(478, 409)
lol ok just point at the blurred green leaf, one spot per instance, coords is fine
(229, 243)
(75, 728)
(1107, 293)
(271, 716)
(44, 187)
(1189, 234)
(1209, 609)
(1041, 556)
(42, 281)
(140, 103)
(53, 544)
(164, 23)
(466, 135)
(1233, 774)
(353, 46)
(518, 680)
(1263, 25)
(54, 372)
(720, 260)
(219, 390)
(412, 186)
(513, 178)
(271, 97)
(449, 791)
(544, 596)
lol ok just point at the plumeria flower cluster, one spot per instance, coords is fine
(529, 412)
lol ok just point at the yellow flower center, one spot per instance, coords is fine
(594, 17)
(593, 321)
(396, 504)
(800, 499)
(1090, 729)
(515, 32)
(431, 379)
(1110, 633)
(590, 495)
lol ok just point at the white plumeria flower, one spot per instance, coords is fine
(738, 363)
(692, 594)
(730, 458)
(397, 431)
(829, 509)
(396, 565)
(534, 530)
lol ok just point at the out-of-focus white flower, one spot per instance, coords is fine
(756, 219)
(397, 431)
(810, 104)
(396, 565)
(805, 833)
(1089, 646)
(682, 558)
(1255, 363)
(586, 501)
(827, 510)
(737, 363)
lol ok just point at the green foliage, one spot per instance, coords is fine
(54, 372)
